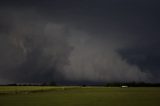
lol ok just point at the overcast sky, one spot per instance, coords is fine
(79, 41)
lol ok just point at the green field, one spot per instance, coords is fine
(79, 96)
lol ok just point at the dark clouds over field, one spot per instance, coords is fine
(79, 41)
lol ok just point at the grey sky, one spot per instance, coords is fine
(79, 40)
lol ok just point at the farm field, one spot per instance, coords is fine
(79, 96)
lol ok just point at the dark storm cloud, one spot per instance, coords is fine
(79, 40)
(33, 49)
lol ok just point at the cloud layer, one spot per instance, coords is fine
(52, 41)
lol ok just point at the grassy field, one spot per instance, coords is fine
(29, 89)
(79, 96)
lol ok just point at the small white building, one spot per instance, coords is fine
(124, 86)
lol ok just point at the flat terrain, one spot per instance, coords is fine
(79, 96)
